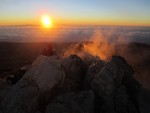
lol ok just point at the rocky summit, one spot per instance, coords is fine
(71, 85)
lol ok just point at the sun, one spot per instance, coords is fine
(46, 21)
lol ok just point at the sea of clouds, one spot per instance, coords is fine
(113, 34)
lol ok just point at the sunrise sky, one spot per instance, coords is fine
(87, 12)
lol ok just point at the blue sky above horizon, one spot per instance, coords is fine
(109, 12)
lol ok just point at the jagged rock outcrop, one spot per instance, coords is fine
(107, 84)
(35, 88)
(56, 86)
(75, 70)
(46, 73)
(110, 77)
(92, 71)
(89, 59)
(82, 102)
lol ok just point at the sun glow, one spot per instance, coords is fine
(46, 21)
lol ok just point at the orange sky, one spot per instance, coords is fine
(76, 12)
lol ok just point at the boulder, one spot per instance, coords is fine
(23, 98)
(111, 76)
(74, 69)
(36, 87)
(82, 102)
(46, 73)
(107, 82)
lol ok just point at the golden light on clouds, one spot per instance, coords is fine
(46, 21)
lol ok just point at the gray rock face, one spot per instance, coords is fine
(92, 71)
(107, 84)
(82, 102)
(36, 86)
(121, 100)
(46, 73)
(89, 59)
(107, 80)
(23, 98)
(112, 87)
(74, 69)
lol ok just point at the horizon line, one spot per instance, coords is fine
(79, 25)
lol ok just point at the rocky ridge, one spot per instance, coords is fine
(71, 85)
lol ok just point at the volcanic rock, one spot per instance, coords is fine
(89, 59)
(74, 69)
(107, 82)
(46, 73)
(23, 98)
(92, 71)
(110, 76)
(36, 87)
(52, 86)
(82, 102)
